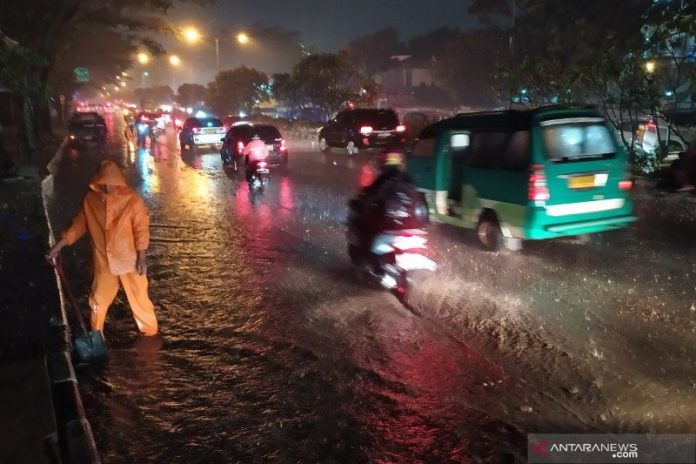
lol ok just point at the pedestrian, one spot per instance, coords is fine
(118, 223)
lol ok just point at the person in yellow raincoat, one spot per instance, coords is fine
(118, 223)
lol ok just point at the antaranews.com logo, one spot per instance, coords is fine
(602, 448)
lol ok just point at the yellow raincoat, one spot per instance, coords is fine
(118, 224)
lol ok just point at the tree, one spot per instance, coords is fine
(286, 90)
(372, 53)
(53, 28)
(154, 96)
(329, 80)
(466, 64)
(190, 94)
(240, 89)
(18, 73)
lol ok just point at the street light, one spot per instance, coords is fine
(123, 83)
(143, 58)
(650, 67)
(174, 60)
(191, 34)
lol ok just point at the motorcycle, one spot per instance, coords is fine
(258, 176)
(395, 257)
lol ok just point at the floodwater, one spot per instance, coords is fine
(274, 349)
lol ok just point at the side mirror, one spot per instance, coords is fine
(222, 139)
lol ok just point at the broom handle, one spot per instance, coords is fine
(66, 286)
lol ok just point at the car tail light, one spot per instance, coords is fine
(72, 136)
(400, 128)
(283, 147)
(240, 147)
(538, 191)
(196, 130)
(409, 242)
(177, 122)
(625, 185)
(262, 164)
(366, 130)
(650, 125)
(144, 118)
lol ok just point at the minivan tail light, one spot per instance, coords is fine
(240, 146)
(401, 128)
(625, 185)
(538, 190)
(283, 147)
(366, 130)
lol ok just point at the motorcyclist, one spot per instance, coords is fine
(391, 202)
(254, 152)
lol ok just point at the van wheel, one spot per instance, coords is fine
(489, 233)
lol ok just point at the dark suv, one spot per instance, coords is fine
(361, 128)
(242, 132)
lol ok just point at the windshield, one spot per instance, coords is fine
(577, 141)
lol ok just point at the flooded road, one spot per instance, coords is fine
(274, 349)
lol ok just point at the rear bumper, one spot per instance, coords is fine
(372, 141)
(208, 139)
(542, 225)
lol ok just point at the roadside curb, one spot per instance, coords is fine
(75, 437)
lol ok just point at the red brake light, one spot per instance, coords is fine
(365, 130)
(650, 125)
(625, 185)
(400, 128)
(283, 147)
(240, 146)
(144, 118)
(196, 130)
(262, 164)
(538, 191)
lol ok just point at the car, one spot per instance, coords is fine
(242, 132)
(86, 127)
(645, 131)
(524, 175)
(353, 129)
(201, 131)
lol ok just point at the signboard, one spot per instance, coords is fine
(81, 74)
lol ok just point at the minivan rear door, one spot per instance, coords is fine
(582, 164)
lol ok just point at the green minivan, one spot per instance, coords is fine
(524, 175)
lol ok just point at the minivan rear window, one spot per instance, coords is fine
(577, 140)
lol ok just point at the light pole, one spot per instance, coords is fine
(192, 35)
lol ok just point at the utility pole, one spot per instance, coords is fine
(511, 46)
(217, 54)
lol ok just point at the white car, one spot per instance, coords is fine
(645, 130)
(204, 131)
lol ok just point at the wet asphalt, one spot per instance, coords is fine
(273, 348)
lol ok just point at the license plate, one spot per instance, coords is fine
(262, 171)
(581, 182)
(415, 261)
(383, 135)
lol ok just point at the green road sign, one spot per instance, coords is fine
(81, 74)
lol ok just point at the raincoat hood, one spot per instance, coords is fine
(108, 174)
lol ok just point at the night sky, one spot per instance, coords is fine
(324, 25)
